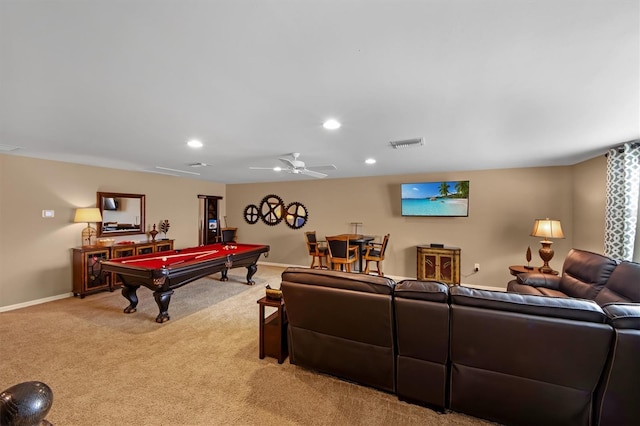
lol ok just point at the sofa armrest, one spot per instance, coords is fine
(623, 315)
(536, 279)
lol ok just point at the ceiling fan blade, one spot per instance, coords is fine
(261, 168)
(323, 167)
(288, 162)
(312, 173)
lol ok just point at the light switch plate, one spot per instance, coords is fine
(48, 213)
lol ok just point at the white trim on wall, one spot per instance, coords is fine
(34, 302)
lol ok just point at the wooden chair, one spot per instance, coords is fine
(227, 235)
(316, 250)
(341, 254)
(375, 253)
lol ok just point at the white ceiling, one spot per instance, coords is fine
(488, 83)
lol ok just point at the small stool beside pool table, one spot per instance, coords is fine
(163, 272)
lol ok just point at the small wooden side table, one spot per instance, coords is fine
(273, 330)
(519, 269)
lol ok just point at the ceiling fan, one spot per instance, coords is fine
(295, 166)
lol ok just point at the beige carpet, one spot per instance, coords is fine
(200, 368)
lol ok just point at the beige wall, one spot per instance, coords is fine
(503, 206)
(35, 253)
(589, 204)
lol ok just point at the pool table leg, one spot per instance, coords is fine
(251, 270)
(162, 299)
(129, 293)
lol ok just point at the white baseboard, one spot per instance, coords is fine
(34, 302)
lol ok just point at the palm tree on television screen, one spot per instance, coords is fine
(444, 189)
(462, 188)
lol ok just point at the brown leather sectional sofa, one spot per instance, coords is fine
(517, 359)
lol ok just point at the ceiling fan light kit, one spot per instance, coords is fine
(407, 143)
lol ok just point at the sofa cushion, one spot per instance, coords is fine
(551, 292)
(539, 280)
(622, 286)
(556, 307)
(584, 274)
(515, 287)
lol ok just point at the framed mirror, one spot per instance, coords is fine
(122, 214)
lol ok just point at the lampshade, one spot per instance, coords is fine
(547, 228)
(88, 215)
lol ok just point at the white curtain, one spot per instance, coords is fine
(623, 186)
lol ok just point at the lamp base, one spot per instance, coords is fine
(546, 254)
(88, 236)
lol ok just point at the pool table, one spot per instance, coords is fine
(165, 271)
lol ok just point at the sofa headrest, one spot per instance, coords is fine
(584, 273)
(556, 307)
(338, 279)
(623, 285)
(433, 291)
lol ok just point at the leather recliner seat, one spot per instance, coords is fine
(341, 324)
(525, 359)
(422, 332)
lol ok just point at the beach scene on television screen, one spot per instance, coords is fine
(447, 198)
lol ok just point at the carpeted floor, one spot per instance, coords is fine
(200, 368)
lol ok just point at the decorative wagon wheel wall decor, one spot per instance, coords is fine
(272, 211)
(296, 215)
(251, 214)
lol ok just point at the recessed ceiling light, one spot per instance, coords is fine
(331, 124)
(194, 143)
(370, 161)
(277, 169)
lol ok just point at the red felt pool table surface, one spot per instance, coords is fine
(185, 257)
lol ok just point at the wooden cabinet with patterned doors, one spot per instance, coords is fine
(439, 264)
(87, 273)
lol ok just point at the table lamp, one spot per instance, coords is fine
(88, 215)
(546, 228)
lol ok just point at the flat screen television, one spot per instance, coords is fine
(110, 204)
(443, 198)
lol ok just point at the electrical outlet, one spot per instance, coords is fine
(476, 267)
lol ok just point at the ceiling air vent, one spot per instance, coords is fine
(407, 143)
